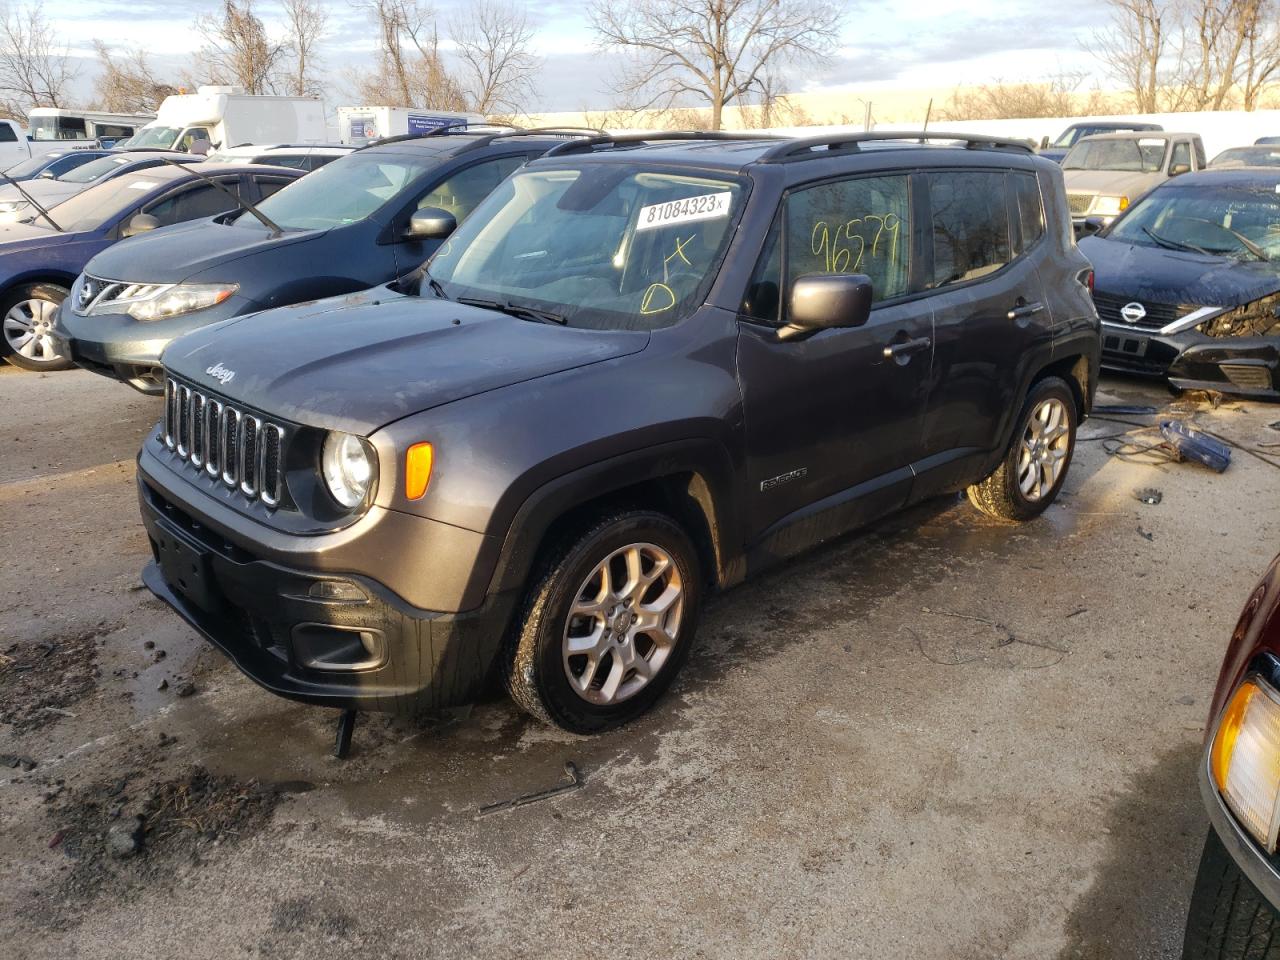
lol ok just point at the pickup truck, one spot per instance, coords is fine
(1108, 172)
(1069, 137)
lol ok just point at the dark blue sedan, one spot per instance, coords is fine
(40, 261)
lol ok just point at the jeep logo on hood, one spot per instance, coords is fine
(220, 373)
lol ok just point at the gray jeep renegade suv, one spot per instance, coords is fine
(643, 369)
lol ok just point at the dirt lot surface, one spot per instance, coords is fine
(941, 739)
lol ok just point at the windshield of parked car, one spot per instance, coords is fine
(607, 246)
(95, 207)
(347, 190)
(1248, 157)
(94, 170)
(151, 137)
(1223, 220)
(1143, 155)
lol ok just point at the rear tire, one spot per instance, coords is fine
(26, 316)
(608, 624)
(1035, 465)
(1229, 919)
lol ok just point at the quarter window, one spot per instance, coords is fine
(850, 227)
(970, 225)
(1030, 209)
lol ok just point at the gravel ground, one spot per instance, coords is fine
(942, 738)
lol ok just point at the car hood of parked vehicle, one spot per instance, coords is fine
(361, 361)
(1176, 277)
(16, 237)
(186, 250)
(45, 192)
(1111, 182)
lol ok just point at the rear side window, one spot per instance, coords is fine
(970, 225)
(1028, 210)
(267, 187)
(69, 162)
(194, 202)
(6, 134)
(851, 226)
(297, 161)
(463, 191)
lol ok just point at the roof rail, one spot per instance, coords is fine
(589, 144)
(576, 131)
(461, 128)
(802, 148)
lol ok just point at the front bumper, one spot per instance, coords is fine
(1190, 360)
(1262, 870)
(122, 348)
(376, 653)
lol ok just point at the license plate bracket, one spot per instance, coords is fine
(186, 567)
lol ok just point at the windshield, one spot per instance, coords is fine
(1233, 221)
(608, 246)
(1143, 155)
(152, 137)
(345, 191)
(1248, 157)
(97, 206)
(93, 170)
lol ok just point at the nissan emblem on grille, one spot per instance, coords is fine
(1132, 312)
(243, 450)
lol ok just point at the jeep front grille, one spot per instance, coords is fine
(241, 449)
(1079, 203)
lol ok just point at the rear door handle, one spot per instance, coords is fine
(903, 350)
(1025, 310)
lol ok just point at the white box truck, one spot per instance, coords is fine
(228, 117)
(60, 128)
(361, 125)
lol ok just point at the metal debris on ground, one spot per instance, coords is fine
(1191, 444)
(1145, 534)
(575, 782)
(1148, 495)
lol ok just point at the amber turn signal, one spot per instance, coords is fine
(417, 470)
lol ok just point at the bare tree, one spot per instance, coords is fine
(1260, 58)
(35, 71)
(305, 22)
(126, 83)
(1055, 97)
(237, 48)
(711, 51)
(1134, 46)
(410, 71)
(497, 67)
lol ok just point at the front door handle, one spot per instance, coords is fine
(903, 350)
(1024, 310)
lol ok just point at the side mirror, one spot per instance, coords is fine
(1044, 143)
(46, 174)
(1092, 225)
(1178, 169)
(430, 223)
(822, 300)
(140, 223)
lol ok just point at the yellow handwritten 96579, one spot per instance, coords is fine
(845, 249)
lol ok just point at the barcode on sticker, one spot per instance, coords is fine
(709, 206)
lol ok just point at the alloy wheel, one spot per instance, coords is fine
(1046, 441)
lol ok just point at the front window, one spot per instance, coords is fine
(1229, 221)
(151, 137)
(613, 246)
(346, 191)
(57, 128)
(95, 207)
(94, 170)
(1143, 155)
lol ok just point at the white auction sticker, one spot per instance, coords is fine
(142, 185)
(709, 206)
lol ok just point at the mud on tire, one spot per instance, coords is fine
(607, 624)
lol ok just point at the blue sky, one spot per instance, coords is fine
(931, 43)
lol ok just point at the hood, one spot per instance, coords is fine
(1173, 276)
(1111, 182)
(359, 362)
(46, 192)
(173, 254)
(15, 237)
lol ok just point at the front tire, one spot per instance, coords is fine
(608, 625)
(27, 340)
(1229, 919)
(1035, 466)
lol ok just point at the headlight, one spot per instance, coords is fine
(1245, 760)
(1110, 206)
(347, 463)
(181, 298)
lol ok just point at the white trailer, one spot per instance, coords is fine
(225, 116)
(361, 125)
(59, 128)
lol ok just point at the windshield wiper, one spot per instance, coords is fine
(240, 201)
(516, 310)
(1174, 244)
(31, 200)
(1249, 245)
(436, 286)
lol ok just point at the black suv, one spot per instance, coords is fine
(643, 368)
(351, 225)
